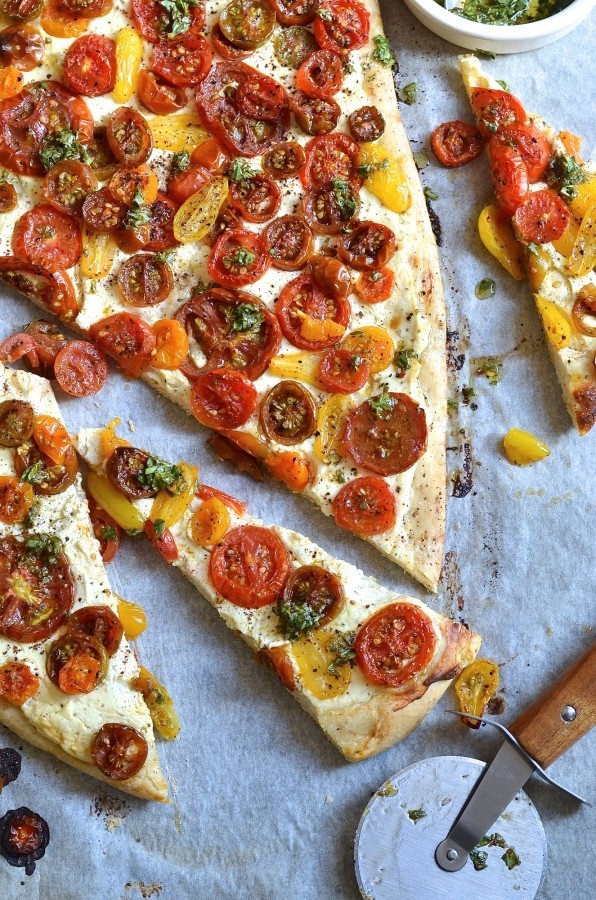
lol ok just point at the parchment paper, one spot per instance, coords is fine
(262, 805)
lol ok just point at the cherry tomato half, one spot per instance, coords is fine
(249, 567)
(342, 372)
(395, 644)
(494, 109)
(510, 176)
(542, 218)
(223, 399)
(321, 74)
(90, 65)
(309, 318)
(530, 143)
(386, 434)
(288, 413)
(341, 25)
(456, 143)
(119, 751)
(46, 236)
(159, 97)
(127, 339)
(365, 506)
(81, 369)
(239, 258)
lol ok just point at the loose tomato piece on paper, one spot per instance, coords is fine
(456, 143)
(474, 687)
(249, 567)
(396, 644)
(365, 506)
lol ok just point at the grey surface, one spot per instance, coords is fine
(263, 807)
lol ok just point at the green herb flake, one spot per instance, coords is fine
(180, 161)
(421, 159)
(383, 53)
(159, 474)
(430, 194)
(503, 84)
(416, 814)
(484, 54)
(165, 256)
(34, 474)
(381, 404)
(339, 477)
(346, 202)
(490, 370)
(333, 458)
(109, 533)
(246, 317)
(388, 791)
(62, 145)
(178, 19)
(324, 14)
(365, 170)
(479, 859)
(298, 618)
(452, 404)
(564, 173)
(240, 170)
(403, 361)
(510, 858)
(485, 288)
(159, 526)
(46, 546)
(138, 213)
(343, 647)
(468, 393)
(408, 93)
(493, 840)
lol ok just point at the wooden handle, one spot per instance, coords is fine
(542, 730)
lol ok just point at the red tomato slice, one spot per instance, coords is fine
(530, 143)
(157, 96)
(53, 289)
(375, 286)
(127, 339)
(343, 372)
(510, 176)
(331, 156)
(256, 199)
(395, 644)
(48, 237)
(119, 751)
(162, 541)
(456, 143)
(238, 258)
(183, 63)
(105, 529)
(90, 65)
(81, 369)
(303, 297)
(223, 399)
(496, 109)
(261, 98)
(366, 506)
(17, 683)
(543, 217)
(205, 492)
(18, 346)
(341, 25)
(295, 12)
(386, 434)
(249, 567)
(184, 184)
(321, 74)
(153, 21)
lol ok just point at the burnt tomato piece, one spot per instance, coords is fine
(366, 124)
(119, 751)
(288, 413)
(16, 422)
(123, 468)
(10, 765)
(24, 836)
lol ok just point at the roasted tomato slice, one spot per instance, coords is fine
(216, 101)
(367, 246)
(21, 46)
(342, 371)
(386, 434)
(31, 120)
(46, 236)
(261, 98)
(19, 346)
(159, 97)
(127, 339)
(475, 687)
(184, 184)
(77, 662)
(315, 115)
(510, 176)
(90, 65)
(290, 242)
(158, 235)
(67, 185)
(36, 587)
(100, 157)
(311, 598)
(102, 212)
(456, 143)
(542, 218)
(81, 369)
(210, 155)
(233, 329)
(90, 9)
(49, 341)
(295, 12)
(309, 318)
(162, 541)
(376, 285)
(332, 276)
(293, 45)
(495, 109)
(105, 529)
(53, 289)
(16, 422)
(224, 47)
(144, 280)
(119, 751)
(250, 567)
(9, 198)
(530, 143)
(256, 199)
(16, 499)
(98, 622)
(22, 10)
(395, 644)
(17, 684)
(365, 506)
(321, 74)
(123, 468)
(288, 413)
(226, 221)
(128, 136)
(328, 157)
(155, 22)
(285, 160)
(366, 124)
(223, 399)
(330, 209)
(46, 476)
(247, 23)
(52, 438)
(183, 64)
(341, 25)
(239, 258)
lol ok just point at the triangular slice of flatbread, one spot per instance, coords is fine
(59, 723)
(359, 716)
(560, 271)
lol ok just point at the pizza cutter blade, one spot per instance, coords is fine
(451, 827)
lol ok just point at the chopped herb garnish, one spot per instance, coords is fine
(389, 791)
(61, 145)
(298, 618)
(468, 393)
(493, 840)
(430, 194)
(383, 52)
(133, 531)
(240, 170)
(375, 276)
(564, 173)
(246, 317)
(180, 161)
(492, 12)
(421, 159)
(403, 361)
(339, 477)
(159, 526)
(485, 288)
(503, 84)
(452, 403)
(479, 858)
(365, 170)
(138, 213)
(490, 126)
(242, 258)
(344, 198)
(109, 533)
(45, 545)
(408, 93)
(34, 474)
(343, 647)
(416, 814)
(333, 458)
(510, 858)
(380, 404)
(484, 54)
(490, 370)
(165, 256)
(324, 14)
(179, 19)
(159, 474)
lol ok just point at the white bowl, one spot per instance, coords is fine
(499, 38)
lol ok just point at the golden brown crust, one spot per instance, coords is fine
(584, 402)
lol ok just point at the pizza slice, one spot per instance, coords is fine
(247, 232)
(66, 669)
(543, 227)
(368, 664)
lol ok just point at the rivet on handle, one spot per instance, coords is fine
(568, 713)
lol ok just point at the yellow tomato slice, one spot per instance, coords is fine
(115, 504)
(497, 236)
(565, 244)
(303, 366)
(474, 687)
(132, 618)
(11, 82)
(60, 23)
(523, 448)
(52, 438)
(330, 426)
(171, 344)
(319, 329)
(171, 507)
(313, 657)
(99, 251)
(182, 131)
(538, 262)
(129, 55)
(197, 214)
(387, 180)
(160, 704)
(582, 258)
(585, 196)
(555, 321)
(374, 344)
(210, 522)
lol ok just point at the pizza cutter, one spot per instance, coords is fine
(449, 827)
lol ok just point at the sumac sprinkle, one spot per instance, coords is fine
(10, 766)
(24, 836)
